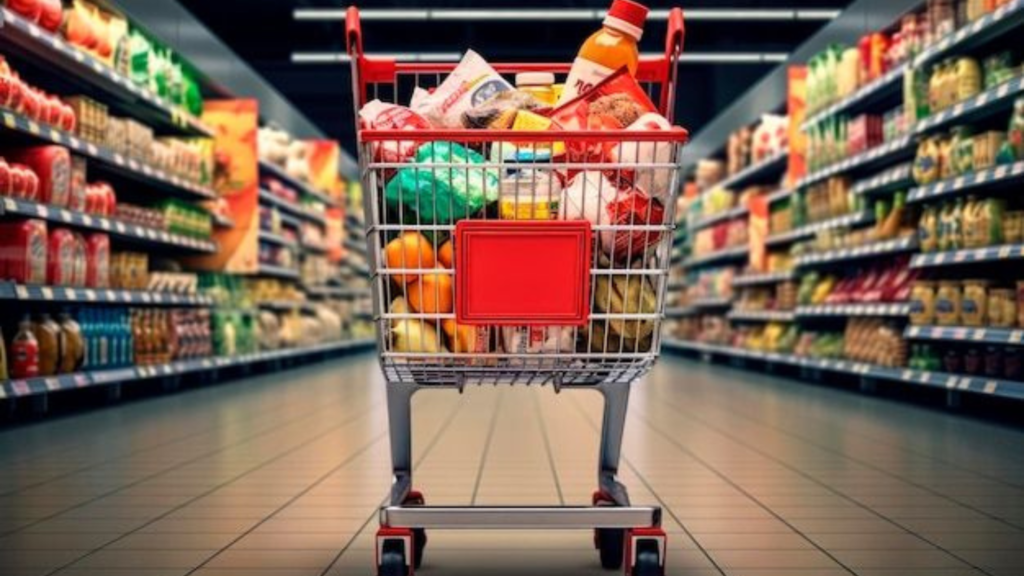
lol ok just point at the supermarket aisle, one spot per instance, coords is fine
(281, 476)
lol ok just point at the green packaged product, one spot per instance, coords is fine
(443, 194)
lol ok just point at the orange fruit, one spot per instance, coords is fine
(432, 293)
(460, 338)
(408, 251)
(446, 255)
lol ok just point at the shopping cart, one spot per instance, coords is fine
(525, 286)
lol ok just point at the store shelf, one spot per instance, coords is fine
(52, 55)
(1003, 336)
(314, 248)
(708, 221)
(762, 315)
(270, 199)
(105, 158)
(892, 151)
(762, 279)
(277, 239)
(681, 312)
(117, 229)
(756, 173)
(851, 310)
(780, 195)
(889, 84)
(222, 221)
(887, 247)
(984, 29)
(286, 306)
(810, 230)
(896, 178)
(711, 303)
(725, 255)
(359, 247)
(36, 386)
(969, 256)
(980, 385)
(996, 176)
(336, 292)
(277, 272)
(62, 294)
(992, 101)
(297, 185)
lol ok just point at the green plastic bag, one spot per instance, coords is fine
(442, 194)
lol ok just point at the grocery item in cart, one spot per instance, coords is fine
(377, 115)
(530, 195)
(442, 185)
(472, 83)
(499, 112)
(592, 197)
(612, 47)
(416, 337)
(465, 339)
(411, 250)
(538, 339)
(620, 294)
(655, 181)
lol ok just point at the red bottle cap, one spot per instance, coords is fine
(628, 13)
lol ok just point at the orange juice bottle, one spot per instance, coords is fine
(608, 49)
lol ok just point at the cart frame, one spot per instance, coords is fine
(625, 534)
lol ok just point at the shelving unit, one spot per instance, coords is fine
(64, 294)
(875, 174)
(134, 374)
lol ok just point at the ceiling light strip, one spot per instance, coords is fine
(687, 58)
(583, 14)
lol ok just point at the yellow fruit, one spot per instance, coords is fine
(409, 251)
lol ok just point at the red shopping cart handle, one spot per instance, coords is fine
(516, 273)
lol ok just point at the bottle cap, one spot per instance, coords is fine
(535, 79)
(627, 16)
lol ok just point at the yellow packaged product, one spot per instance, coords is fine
(974, 304)
(947, 303)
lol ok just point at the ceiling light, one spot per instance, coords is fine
(448, 14)
(687, 58)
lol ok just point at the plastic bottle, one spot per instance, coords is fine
(24, 352)
(608, 49)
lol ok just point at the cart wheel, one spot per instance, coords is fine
(648, 559)
(419, 535)
(610, 542)
(392, 559)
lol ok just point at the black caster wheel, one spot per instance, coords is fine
(611, 543)
(648, 559)
(392, 559)
(419, 535)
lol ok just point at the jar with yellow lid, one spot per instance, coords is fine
(539, 84)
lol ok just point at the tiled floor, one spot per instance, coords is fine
(281, 476)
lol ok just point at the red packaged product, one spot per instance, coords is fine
(51, 14)
(106, 199)
(28, 9)
(6, 184)
(25, 182)
(7, 85)
(80, 270)
(377, 115)
(54, 110)
(77, 184)
(23, 251)
(52, 165)
(97, 258)
(60, 266)
(68, 120)
(24, 356)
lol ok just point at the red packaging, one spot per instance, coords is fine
(54, 110)
(60, 266)
(78, 184)
(7, 87)
(80, 268)
(613, 104)
(28, 9)
(633, 207)
(52, 165)
(24, 355)
(377, 115)
(51, 14)
(17, 94)
(68, 120)
(23, 251)
(105, 201)
(6, 184)
(24, 182)
(97, 258)
(30, 102)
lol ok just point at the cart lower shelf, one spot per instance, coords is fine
(519, 517)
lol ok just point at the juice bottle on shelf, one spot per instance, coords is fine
(608, 49)
(24, 352)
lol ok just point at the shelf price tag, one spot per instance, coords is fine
(47, 292)
(70, 294)
(990, 387)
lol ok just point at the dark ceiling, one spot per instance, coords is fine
(265, 34)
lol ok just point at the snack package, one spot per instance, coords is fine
(591, 196)
(445, 193)
(614, 104)
(654, 181)
(624, 295)
(377, 115)
(538, 339)
(499, 112)
(472, 83)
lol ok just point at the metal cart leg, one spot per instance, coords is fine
(400, 429)
(616, 401)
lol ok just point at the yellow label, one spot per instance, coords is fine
(528, 121)
(527, 210)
